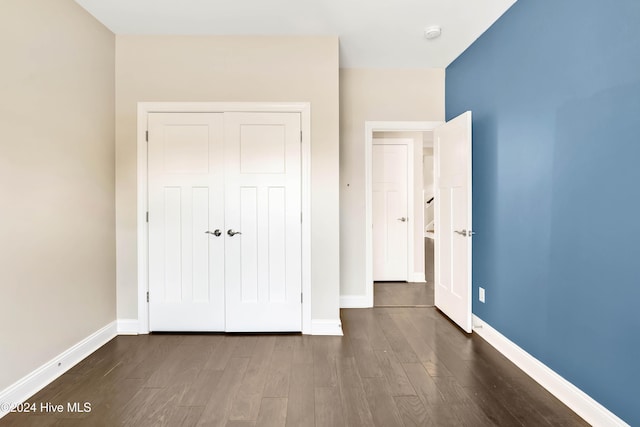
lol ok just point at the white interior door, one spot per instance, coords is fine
(263, 206)
(186, 268)
(452, 154)
(390, 211)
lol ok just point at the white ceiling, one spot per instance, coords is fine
(373, 33)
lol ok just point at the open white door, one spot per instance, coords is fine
(452, 170)
(390, 211)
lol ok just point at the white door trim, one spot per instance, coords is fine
(369, 128)
(144, 108)
(410, 143)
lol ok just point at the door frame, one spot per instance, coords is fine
(410, 143)
(144, 108)
(370, 128)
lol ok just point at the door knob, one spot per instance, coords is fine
(232, 233)
(403, 219)
(465, 233)
(216, 232)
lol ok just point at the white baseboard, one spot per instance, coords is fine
(580, 402)
(128, 327)
(419, 278)
(32, 383)
(354, 301)
(326, 327)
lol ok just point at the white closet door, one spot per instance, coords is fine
(263, 203)
(186, 185)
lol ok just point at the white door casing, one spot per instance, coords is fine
(453, 225)
(390, 210)
(263, 205)
(366, 300)
(186, 269)
(269, 159)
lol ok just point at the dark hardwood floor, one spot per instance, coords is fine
(403, 294)
(393, 367)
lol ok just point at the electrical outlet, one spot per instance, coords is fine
(481, 294)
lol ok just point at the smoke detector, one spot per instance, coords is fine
(432, 32)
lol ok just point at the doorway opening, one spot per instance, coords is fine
(452, 212)
(413, 288)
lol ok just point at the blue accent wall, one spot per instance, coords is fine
(554, 87)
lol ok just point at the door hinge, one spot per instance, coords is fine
(147, 216)
(300, 217)
(146, 136)
(300, 137)
(301, 297)
(147, 296)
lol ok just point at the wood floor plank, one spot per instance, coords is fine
(303, 350)
(130, 352)
(301, 401)
(279, 370)
(423, 384)
(366, 320)
(150, 407)
(403, 294)
(221, 354)
(216, 413)
(200, 390)
(493, 408)
(451, 390)
(246, 403)
(181, 366)
(368, 364)
(546, 405)
(381, 404)
(244, 345)
(164, 346)
(273, 412)
(436, 368)
(354, 400)
(399, 384)
(365, 323)
(412, 411)
(185, 416)
(328, 407)
(324, 364)
(397, 340)
(443, 415)
(240, 423)
(415, 339)
(518, 405)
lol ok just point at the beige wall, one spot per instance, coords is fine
(374, 95)
(215, 68)
(57, 233)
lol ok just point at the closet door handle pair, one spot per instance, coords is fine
(217, 232)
